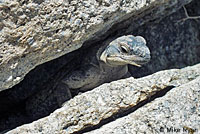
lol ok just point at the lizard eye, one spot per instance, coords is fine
(124, 49)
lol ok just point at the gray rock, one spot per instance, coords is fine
(174, 42)
(115, 98)
(177, 112)
(34, 32)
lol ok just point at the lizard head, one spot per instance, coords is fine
(126, 50)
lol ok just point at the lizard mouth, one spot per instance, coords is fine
(132, 60)
(136, 60)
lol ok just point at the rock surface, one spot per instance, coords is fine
(33, 32)
(177, 112)
(174, 43)
(116, 98)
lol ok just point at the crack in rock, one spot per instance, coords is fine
(90, 108)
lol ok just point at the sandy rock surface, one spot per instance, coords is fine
(33, 32)
(116, 98)
(177, 112)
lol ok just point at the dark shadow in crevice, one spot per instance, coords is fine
(126, 111)
(13, 100)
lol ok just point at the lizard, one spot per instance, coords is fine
(110, 63)
(103, 64)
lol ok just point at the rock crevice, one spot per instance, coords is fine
(34, 32)
(90, 108)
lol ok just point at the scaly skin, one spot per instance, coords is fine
(111, 63)
(101, 65)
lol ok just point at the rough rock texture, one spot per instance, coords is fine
(177, 112)
(115, 98)
(174, 43)
(13, 100)
(40, 76)
(33, 32)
